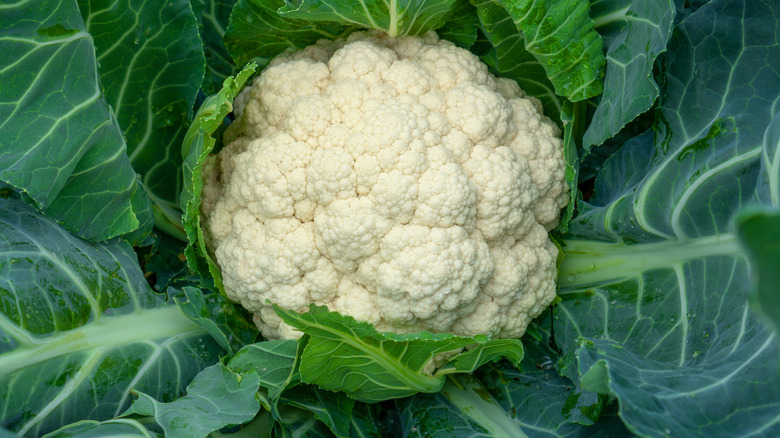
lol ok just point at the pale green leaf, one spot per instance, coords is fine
(197, 145)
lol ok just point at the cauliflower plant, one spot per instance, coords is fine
(394, 180)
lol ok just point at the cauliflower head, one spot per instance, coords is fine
(394, 180)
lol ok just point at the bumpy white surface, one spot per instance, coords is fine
(393, 180)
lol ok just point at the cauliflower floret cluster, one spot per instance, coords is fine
(391, 179)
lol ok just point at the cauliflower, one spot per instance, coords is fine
(394, 180)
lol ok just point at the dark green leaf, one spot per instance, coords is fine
(654, 279)
(80, 328)
(61, 143)
(460, 25)
(295, 423)
(218, 316)
(508, 57)
(273, 361)
(396, 18)
(216, 398)
(609, 18)
(164, 263)
(5, 433)
(470, 360)
(197, 145)
(334, 409)
(768, 190)
(629, 86)
(260, 427)
(258, 33)
(758, 229)
(365, 423)
(142, 236)
(639, 382)
(213, 16)
(434, 416)
(151, 65)
(593, 161)
(561, 37)
(499, 400)
(687, 7)
(759, 232)
(351, 356)
(462, 409)
(572, 117)
(120, 428)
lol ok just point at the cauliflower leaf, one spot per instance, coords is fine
(342, 354)
(655, 285)
(80, 328)
(196, 146)
(60, 142)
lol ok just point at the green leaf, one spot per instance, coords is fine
(462, 395)
(460, 25)
(142, 236)
(258, 33)
(151, 65)
(572, 116)
(5, 433)
(61, 143)
(80, 328)
(470, 360)
(759, 233)
(215, 398)
(768, 190)
(365, 422)
(609, 18)
(561, 37)
(296, 422)
(654, 280)
(396, 18)
(274, 362)
(120, 428)
(334, 409)
(218, 316)
(758, 228)
(500, 400)
(637, 382)
(197, 145)
(509, 58)
(260, 427)
(164, 263)
(213, 16)
(351, 356)
(629, 86)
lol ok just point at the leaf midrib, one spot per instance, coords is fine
(107, 332)
(403, 373)
(590, 262)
